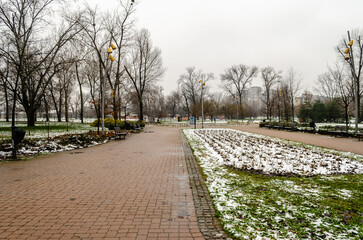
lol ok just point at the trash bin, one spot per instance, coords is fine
(18, 135)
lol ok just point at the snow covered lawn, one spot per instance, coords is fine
(60, 143)
(310, 203)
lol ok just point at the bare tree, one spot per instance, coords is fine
(185, 101)
(351, 49)
(94, 86)
(326, 86)
(32, 53)
(145, 67)
(4, 82)
(188, 82)
(173, 103)
(293, 81)
(119, 26)
(192, 88)
(236, 79)
(285, 97)
(56, 93)
(345, 85)
(270, 78)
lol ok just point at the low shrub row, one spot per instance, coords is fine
(311, 128)
(110, 123)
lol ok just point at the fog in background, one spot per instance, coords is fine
(213, 35)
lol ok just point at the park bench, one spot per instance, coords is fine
(270, 125)
(359, 135)
(119, 134)
(138, 128)
(339, 131)
(291, 126)
(279, 126)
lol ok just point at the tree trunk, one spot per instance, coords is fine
(81, 112)
(80, 94)
(346, 114)
(115, 106)
(66, 107)
(293, 109)
(7, 109)
(241, 107)
(46, 106)
(31, 115)
(359, 111)
(59, 109)
(141, 108)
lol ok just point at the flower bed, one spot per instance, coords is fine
(260, 154)
(265, 206)
(65, 142)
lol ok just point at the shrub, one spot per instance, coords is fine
(263, 124)
(110, 124)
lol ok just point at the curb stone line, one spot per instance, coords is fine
(208, 224)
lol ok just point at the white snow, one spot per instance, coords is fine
(216, 148)
(252, 152)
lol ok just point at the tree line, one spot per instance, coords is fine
(60, 56)
(48, 48)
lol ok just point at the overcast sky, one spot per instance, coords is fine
(212, 35)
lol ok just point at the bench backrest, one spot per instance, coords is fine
(345, 128)
(117, 129)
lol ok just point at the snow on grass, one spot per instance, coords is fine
(42, 130)
(247, 151)
(65, 142)
(255, 206)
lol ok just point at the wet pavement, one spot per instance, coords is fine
(136, 188)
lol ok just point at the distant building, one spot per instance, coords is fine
(254, 97)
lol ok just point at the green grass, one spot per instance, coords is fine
(303, 200)
(252, 205)
(41, 128)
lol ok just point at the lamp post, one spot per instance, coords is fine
(152, 101)
(349, 57)
(279, 92)
(236, 101)
(109, 51)
(203, 87)
(125, 116)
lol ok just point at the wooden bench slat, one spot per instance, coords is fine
(119, 134)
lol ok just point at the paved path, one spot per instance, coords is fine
(133, 189)
(342, 144)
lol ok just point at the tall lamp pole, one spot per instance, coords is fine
(109, 51)
(203, 87)
(236, 100)
(349, 57)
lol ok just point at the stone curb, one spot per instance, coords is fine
(208, 224)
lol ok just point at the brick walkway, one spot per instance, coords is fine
(133, 189)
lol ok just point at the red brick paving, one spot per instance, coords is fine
(136, 188)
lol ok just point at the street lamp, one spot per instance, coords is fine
(236, 101)
(109, 51)
(152, 101)
(349, 57)
(203, 87)
(125, 116)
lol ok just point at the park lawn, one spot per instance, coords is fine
(253, 206)
(41, 129)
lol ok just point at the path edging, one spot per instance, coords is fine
(208, 223)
